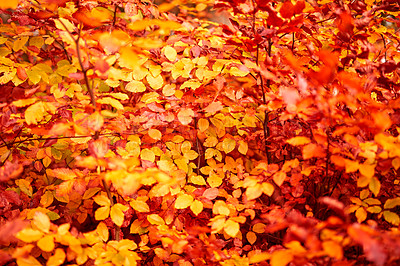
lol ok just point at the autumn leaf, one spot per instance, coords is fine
(117, 213)
(183, 201)
(231, 228)
(185, 116)
(155, 219)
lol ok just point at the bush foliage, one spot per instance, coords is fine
(234, 132)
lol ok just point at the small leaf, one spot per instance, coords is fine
(231, 228)
(361, 214)
(213, 107)
(147, 154)
(91, 192)
(391, 203)
(102, 200)
(117, 213)
(279, 178)
(391, 217)
(102, 213)
(183, 201)
(57, 259)
(185, 116)
(251, 237)
(297, 141)
(203, 124)
(34, 113)
(135, 86)
(111, 101)
(20, 42)
(102, 231)
(267, 188)
(196, 207)
(170, 53)
(243, 147)
(155, 82)
(29, 235)
(228, 145)
(253, 192)
(375, 186)
(41, 221)
(46, 243)
(154, 134)
(139, 206)
(155, 219)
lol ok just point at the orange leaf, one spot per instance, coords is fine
(313, 150)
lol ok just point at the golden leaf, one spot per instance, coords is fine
(155, 219)
(46, 243)
(214, 180)
(391, 203)
(117, 213)
(228, 145)
(253, 192)
(102, 200)
(102, 213)
(185, 116)
(41, 221)
(196, 207)
(170, 53)
(243, 147)
(111, 101)
(296, 141)
(391, 217)
(34, 113)
(259, 228)
(57, 259)
(155, 82)
(203, 124)
(102, 231)
(140, 206)
(183, 201)
(47, 199)
(267, 188)
(29, 235)
(154, 134)
(24, 102)
(231, 228)
(361, 214)
(147, 154)
(279, 178)
(375, 186)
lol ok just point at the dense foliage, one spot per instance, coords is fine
(137, 134)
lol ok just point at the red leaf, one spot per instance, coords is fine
(10, 171)
(211, 193)
(287, 9)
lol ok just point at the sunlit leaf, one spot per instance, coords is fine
(170, 53)
(183, 201)
(391, 203)
(281, 258)
(185, 116)
(9, 4)
(391, 217)
(296, 141)
(111, 101)
(102, 213)
(147, 154)
(196, 207)
(361, 214)
(117, 213)
(46, 243)
(29, 235)
(375, 186)
(41, 221)
(140, 206)
(251, 237)
(231, 228)
(57, 259)
(155, 134)
(155, 219)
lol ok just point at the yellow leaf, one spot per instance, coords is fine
(24, 102)
(102, 213)
(361, 214)
(169, 90)
(267, 188)
(155, 82)
(391, 203)
(237, 72)
(47, 199)
(251, 237)
(183, 201)
(25, 186)
(33, 75)
(196, 207)
(281, 258)
(367, 170)
(228, 145)
(190, 84)
(102, 200)
(102, 231)
(391, 217)
(20, 42)
(7, 76)
(155, 219)
(231, 228)
(203, 124)
(111, 101)
(57, 259)
(147, 154)
(165, 26)
(214, 180)
(170, 53)
(154, 134)
(243, 147)
(197, 180)
(28, 261)
(135, 86)
(9, 4)
(29, 235)
(140, 206)
(46, 243)
(41, 221)
(185, 116)
(296, 141)
(279, 178)
(90, 192)
(253, 192)
(117, 213)
(34, 113)
(375, 186)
